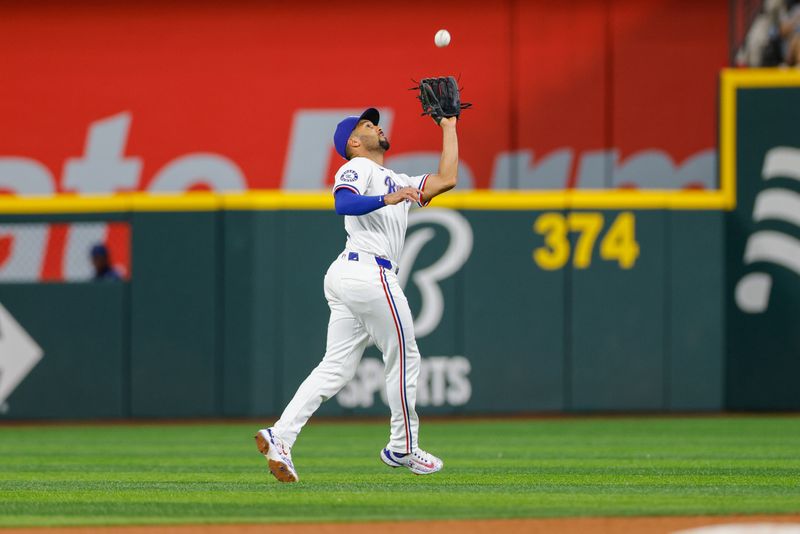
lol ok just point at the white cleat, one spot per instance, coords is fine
(419, 461)
(278, 454)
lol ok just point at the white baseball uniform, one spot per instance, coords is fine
(366, 303)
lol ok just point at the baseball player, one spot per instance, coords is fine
(364, 296)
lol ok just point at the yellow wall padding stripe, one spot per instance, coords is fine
(282, 200)
(731, 81)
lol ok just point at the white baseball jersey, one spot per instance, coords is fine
(381, 232)
(367, 304)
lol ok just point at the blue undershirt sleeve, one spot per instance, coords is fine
(350, 203)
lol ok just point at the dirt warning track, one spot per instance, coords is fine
(590, 525)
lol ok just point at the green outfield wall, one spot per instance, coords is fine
(517, 310)
(553, 301)
(762, 154)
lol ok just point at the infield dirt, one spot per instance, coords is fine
(588, 525)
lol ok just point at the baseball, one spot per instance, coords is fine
(442, 38)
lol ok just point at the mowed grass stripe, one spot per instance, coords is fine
(211, 473)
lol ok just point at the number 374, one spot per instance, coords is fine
(619, 242)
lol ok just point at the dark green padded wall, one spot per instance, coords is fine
(225, 315)
(80, 327)
(617, 325)
(176, 325)
(696, 323)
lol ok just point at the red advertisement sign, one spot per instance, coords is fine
(169, 96)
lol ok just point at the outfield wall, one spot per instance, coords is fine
(760, 152)
(546, 301)
(547, 309)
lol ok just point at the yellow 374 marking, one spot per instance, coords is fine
(619, 243)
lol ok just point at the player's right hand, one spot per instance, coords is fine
(404, 193)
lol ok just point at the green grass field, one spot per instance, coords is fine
(204, 473)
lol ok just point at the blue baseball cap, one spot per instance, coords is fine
(99, 250)
(348, 124)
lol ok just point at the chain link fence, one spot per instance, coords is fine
(63, 252)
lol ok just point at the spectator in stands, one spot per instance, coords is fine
(789, 29)
(103, 270)
(773, 38)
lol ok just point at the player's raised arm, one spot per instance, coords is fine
(441, 100)
(447, 176)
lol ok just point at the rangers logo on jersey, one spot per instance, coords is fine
(349, 176)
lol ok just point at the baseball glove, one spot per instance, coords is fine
(440, 97)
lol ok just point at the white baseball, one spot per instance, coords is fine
(442, 38)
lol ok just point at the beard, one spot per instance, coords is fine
(384, 144)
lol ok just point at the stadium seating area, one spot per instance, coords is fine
(773, 37)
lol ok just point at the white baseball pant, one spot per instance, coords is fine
(366, 302)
